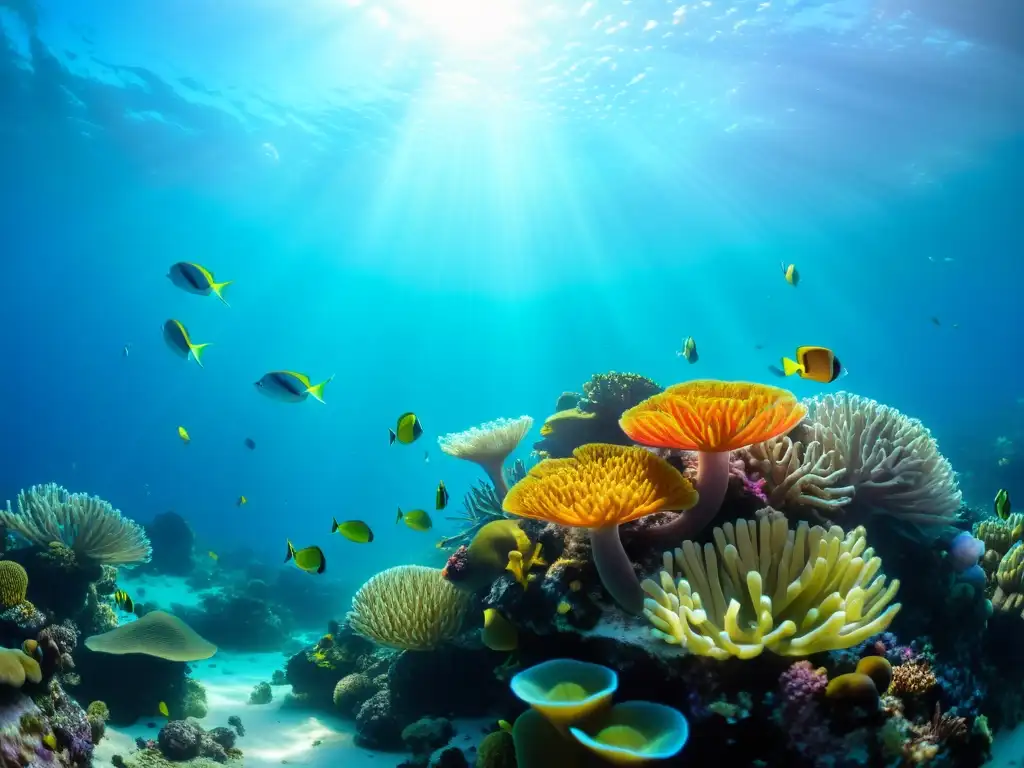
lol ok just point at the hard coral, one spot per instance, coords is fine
(13, 584)
(376, 725)
(352, 690)
(912, 679)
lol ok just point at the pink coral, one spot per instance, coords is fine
(803, 688)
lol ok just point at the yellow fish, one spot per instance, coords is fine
(441, 497)
(416, 519)
(818, 364)
(197, 279)
(213, 556)
(498, 633)
(291, 387)
(309, 559)
(519, 565)
(353, 530)
(792, 276)
(180, 343)
(162, 708)
(124, 601)
(50, 741)
(183, 434)
(406, 431)
(241, 500)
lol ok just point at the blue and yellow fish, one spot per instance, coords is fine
(180, 343)
(791, 274)
(197, 279)
(407, 430)
(291, 387)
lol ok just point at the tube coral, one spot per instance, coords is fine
(761, 585)
(712, 418)
(600, 488)
(488, 445)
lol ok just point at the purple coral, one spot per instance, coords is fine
(964, 552)
(70, 725)
(455, 568)
(802, 688)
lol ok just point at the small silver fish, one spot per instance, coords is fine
(126, 348)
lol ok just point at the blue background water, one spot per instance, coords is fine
(467, 231)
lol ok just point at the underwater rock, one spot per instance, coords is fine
(315, 672)
(69, 724)
(435, 682)
(261, 694)
(103, 677)
(427, 734)
(449, 757)
(351, 691)
(237, 621)
(376, 725)
(185, 739)
(58, 580)
(173, 541)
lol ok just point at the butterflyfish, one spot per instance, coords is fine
(441, 497)
(177, 338)
(197, 279)
(353, 530)
(291, 387)
(308, 559)
(416, 519)
(815, 363)
(689, 350)
(1002, 504)
(124, 601)
(407, 430)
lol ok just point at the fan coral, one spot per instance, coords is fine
(13, 584)
(890, 463)
(409, 607)
(712, 418)
(600, 488)
(155, 634)
(89, 525)
(792, 592)
(488, 445)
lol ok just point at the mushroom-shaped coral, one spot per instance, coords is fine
(600, 488)
(155, 634)
(761, 585)
(566, 691)
(410, 607)
(634, 732)
(488, 445)
(712, 418)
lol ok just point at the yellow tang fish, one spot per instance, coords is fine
(180, 343)
(441, 497)
(124, 601)
(417, 519)
(183, 434)
(197, 279)
(241, 500)
(309, 559)
(792, 276)
(353, 530)
(406, 431)
(291, 387)
(162, 708)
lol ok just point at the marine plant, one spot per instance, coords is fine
(713, 418)
(90, 526)
(488, 445)
(763, 586)
(600, 488)
(853, 452)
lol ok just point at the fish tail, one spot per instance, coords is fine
(317, 390)
(218, 288)
(391, 436)
(196, 350)
(291, 552)
(334, 525)
(789, 367)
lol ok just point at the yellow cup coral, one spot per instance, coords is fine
(634, 732)
(565, 690)
(761, 585)
(410, 607)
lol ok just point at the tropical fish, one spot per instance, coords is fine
(519, 565)
(124, 601)
(291, 387)
(441, 497)
(250, 444)
(1002, 504)
(197, 279)
(815, 363)
(163, 710)
(50, 740)
(353, 530)
(792, 276)
(183, 434)
(180, 343)
(308, 559)
(498, 634)
(213, 556)
(241, 500)
(689, 350)
(406, 431)
(416, 519)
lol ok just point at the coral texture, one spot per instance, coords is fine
(13, 584)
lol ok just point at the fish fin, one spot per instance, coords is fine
(218, 288)
(334, 525)
(774, 369)
(317, 390)
(391, 436)
(789, 367)
(323, 564)
(291, 551)
(196, 350)
(398, 518)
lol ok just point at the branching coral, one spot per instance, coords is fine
(889, 463)
(762, 586)
(488, 445)
(86, 524)
(912, 678)
(409, 607)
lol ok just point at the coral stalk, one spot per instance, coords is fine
(615, 569)
(712, 483)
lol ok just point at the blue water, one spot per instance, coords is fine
(465, 226)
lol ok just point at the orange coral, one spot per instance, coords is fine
(602, 485)
(712, 416)
(912, 679)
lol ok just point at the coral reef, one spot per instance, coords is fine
(488, 445)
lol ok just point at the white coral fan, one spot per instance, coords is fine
(488, 445)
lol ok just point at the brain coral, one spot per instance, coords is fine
(410, 607)
(13, 584)
(155, 634)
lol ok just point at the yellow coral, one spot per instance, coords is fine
(999, 535)
(410, 607)
(519, 565)
(1009, 594)
(13, 584)
(16, 668)
(912, 678)
(762, 585)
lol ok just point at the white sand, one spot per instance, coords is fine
(272, 735)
